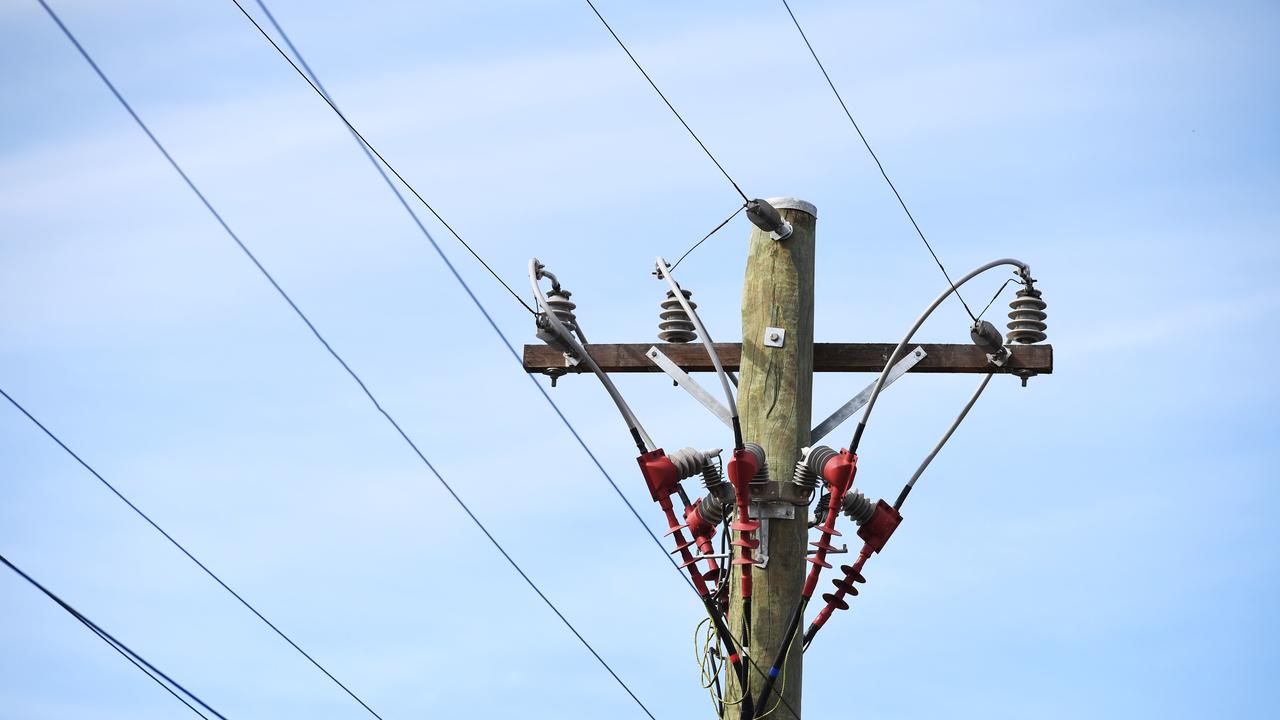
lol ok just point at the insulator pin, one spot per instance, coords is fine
(674, 324)
(1027, 316)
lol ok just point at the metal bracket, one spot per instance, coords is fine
(778, 511)
(765, 512)
(774, 336)
(857, 401)
(691, 386)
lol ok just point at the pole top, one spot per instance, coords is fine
(790, 203)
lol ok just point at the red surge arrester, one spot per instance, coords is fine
(839, 472)
(741, 468)
(875, 534)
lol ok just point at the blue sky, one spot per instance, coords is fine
(1100, 543)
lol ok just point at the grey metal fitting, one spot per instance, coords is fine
(766, 217)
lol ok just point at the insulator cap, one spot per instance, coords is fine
(1027, 316)
(560, 305)
(674, 324)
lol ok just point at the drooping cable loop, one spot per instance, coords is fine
(1023, 270)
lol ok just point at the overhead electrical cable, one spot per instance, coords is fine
(307, 73)
(354, 376)
(388, 165)
(876, 158)
(312, 78)
(675, 112)
(993, 298)
(714, 230)
(173, 686)
(186, 552)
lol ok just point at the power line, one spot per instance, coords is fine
(186, 552)
(144, 671)
(138, 661)
(668, 102)
(316, 84)
(354, 376)
(476, 301)
(714, 230)
(993, 299)
(324, 96)
(876, 158)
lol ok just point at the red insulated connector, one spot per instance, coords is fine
(838, 472)
(844, 586)
(877, 531)
(741, 468)
(702, 532)
(661, 476)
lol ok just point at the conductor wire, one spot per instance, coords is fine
(138, 661)
(389, 166)
(675, 112)
(182, 548)
(714, 230)
(742, 651)
(484, 311)
(338, 358)
(876, 158)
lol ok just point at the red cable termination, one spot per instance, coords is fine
(838, 472)
(663, 479)
(875, 534)
(741, 468)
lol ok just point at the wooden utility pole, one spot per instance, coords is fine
(775, 398)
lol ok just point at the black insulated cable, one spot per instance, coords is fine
(876, 158)
(182, 548)
(388, 165)
(338, 358)
(675, 112)
(173, 686)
